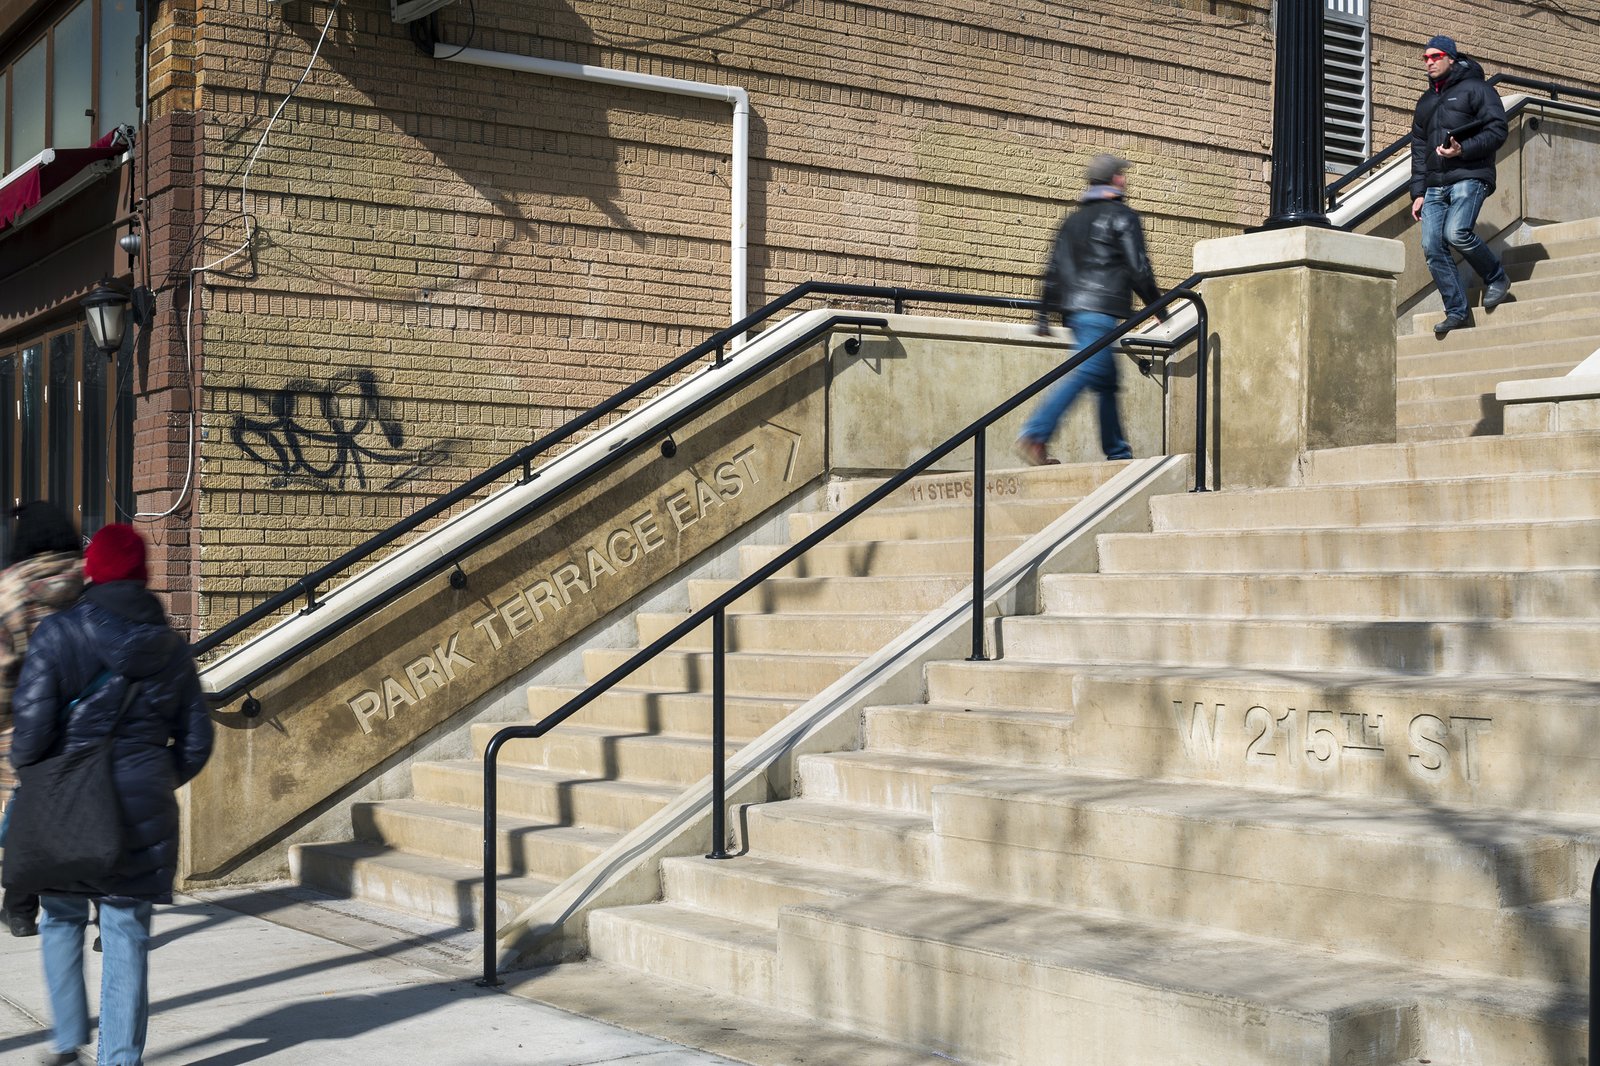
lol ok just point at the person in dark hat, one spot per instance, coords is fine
(1098, 256)
(43, 574)
(111, 666)
(1458, 126)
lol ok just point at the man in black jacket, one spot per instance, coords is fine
(1458, 127)
(80, 665)
(1098, 256)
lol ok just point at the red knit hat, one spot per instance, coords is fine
(116, 553)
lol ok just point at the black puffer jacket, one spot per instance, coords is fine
(1462, 97)
(162, 740)
(1097, 258)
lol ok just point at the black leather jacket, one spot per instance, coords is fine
(1464, 96)
(1097, 258)
(161, 740)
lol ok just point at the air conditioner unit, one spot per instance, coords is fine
(411, 10)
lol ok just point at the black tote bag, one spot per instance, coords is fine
(66, 822)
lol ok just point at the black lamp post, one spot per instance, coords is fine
(106, 308)
(1297, 159)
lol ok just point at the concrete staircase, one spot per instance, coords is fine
(1446, 387)
(567, 797)
(1302, 776)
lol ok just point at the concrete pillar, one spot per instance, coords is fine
(1304, 325)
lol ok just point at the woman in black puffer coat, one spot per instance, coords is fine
(115, 636)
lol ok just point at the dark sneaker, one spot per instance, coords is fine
(1496, 294)
(20, 926)
(1034, 454)
(1453, 322)
(60, 1058)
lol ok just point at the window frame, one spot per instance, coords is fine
(1343, 22)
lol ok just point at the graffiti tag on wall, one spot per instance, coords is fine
(328, 436)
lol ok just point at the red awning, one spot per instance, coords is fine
(47, 172)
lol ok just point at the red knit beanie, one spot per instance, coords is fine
(116, 553)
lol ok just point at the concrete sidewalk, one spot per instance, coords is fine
(228, 988)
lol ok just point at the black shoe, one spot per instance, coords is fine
(1496, 294)
(60, 1058)
(1453, 322)
(19, 925)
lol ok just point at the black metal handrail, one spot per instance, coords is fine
(1555, 91)
(522, 459)
(1594, 962)
(715, 612)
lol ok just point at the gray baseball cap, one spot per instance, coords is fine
(1105, 166)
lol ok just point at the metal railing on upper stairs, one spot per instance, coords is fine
(715, 611)
(521, 463)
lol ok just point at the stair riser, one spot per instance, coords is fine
(588, 756)
(442, 900)
(832, 780)
(585, 803)
(1548, 269)
(994, 1009)
(517, 854)
(1484, 548)
(719, 888)
(748, 675)
(952, 522)
(1397, 596)
(1046, 740)
(1480, 457)
(900, 855)
(1433, 902)
(662, 712)
(1460, 1033)
(1418, 392)
(1507, 362)
(1422, 503)
(1401, 647)
(885, 559)
(847, 635)
(1495, 332)
(1551, 248)
(720, 968)
(916, 595)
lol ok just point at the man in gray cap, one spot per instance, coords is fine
(1098, 256)
(1458, 126)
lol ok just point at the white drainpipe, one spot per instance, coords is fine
(677, 86)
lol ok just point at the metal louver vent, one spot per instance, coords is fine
(1347, 84)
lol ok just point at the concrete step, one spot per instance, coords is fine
(1564, 301)
(1514, 743)
(418, 884)
(1564, 247)
(674, 713)
(1521, 269)
(1508, 360)
(955, 489)
(524, 847)
(1004, 735)
(688, 946)
(873, 841)
(1412, 392)
(893, 781)
(1524, 595)
(1527, 497)
(1003, 516)
(878, 558)
(1558, 232)
(543, 795)
(1534, 453)
(829, 634)
(597, 753)
(1419, 352)
(1490, 891)
(993, 981)
(834, 595)
(1495, 546)
(1491, 424)
(746, 673)
(1532, 649)
(753, 888)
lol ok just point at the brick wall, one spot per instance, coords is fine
(448, 259)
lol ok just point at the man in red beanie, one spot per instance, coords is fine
(82, 665)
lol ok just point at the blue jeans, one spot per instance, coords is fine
(1099, 373)
(1449, 214)
(124, 977)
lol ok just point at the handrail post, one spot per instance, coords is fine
(978, 477)
(719, 805)
(491, 864)
(1202, 373)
